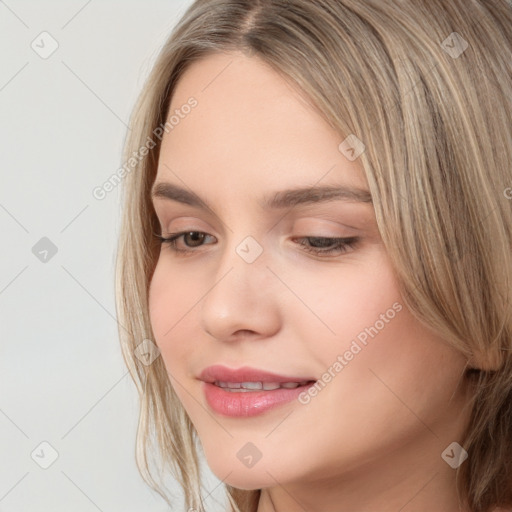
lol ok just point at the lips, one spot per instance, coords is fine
(248, 391)
(219, 373)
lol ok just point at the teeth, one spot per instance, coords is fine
(256, 386)
(290, 385)
(252, 385)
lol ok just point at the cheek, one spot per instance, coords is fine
(379, 361)
(349, 300)
(172, 296)
(397, 384)
(171, 299)
(159, 305)
(171, 302)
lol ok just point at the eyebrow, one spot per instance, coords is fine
(281, 199)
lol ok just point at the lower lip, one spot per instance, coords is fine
(249, 403)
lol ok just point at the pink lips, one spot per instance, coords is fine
(248, 403)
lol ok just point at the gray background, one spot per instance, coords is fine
(62, 377)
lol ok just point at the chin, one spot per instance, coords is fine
(234, 473)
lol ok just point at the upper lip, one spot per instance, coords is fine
(246, 374)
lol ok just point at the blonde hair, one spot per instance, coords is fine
(427, 87)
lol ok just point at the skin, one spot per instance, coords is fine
(372, 439)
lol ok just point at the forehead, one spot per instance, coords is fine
(220, 74)
(250, 126)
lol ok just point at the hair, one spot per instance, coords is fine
(436, 125)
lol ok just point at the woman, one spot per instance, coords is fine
(315, 261)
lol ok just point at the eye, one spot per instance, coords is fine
(313, 244)
(191, 239)
(322, 245)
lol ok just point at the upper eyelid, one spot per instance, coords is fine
(299, 210)
(312, 232)
(164, 204)
(304, 215)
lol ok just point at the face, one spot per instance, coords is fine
(296, 284)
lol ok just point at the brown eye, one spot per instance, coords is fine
(190, 240)
(193, 238)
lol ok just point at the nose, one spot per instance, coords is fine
(242, 299)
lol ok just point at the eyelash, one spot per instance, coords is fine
(342, 246)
